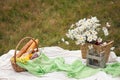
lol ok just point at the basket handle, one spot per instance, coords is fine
(19, 45)
(109, 43)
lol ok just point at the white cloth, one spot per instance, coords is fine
(7, 72)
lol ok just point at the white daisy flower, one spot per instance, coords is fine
(63, 40)
(66, 42)
(99, 40)
(94, 37)
(93, 32)
(94, 19)
(72, 26)
(89, 38)
(87, 33)
(107, 24)
(112, 48)
(79, 42)
(105, 30)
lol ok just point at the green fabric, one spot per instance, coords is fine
(113, 69)
(43, 65)
(81, 71)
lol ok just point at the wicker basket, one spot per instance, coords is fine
(105, 48)
(13, 62)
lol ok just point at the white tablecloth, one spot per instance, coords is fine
(7, 72)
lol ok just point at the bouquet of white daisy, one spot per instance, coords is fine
(86, 30)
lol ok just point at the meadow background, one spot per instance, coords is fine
(49, 20)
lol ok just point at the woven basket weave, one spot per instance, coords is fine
(13, 62)
(105, 48)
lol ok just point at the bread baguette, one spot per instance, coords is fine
(24, 48)
(33, 46)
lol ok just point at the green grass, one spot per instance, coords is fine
(48, 20)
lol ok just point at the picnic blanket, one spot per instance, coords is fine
(70, 57)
